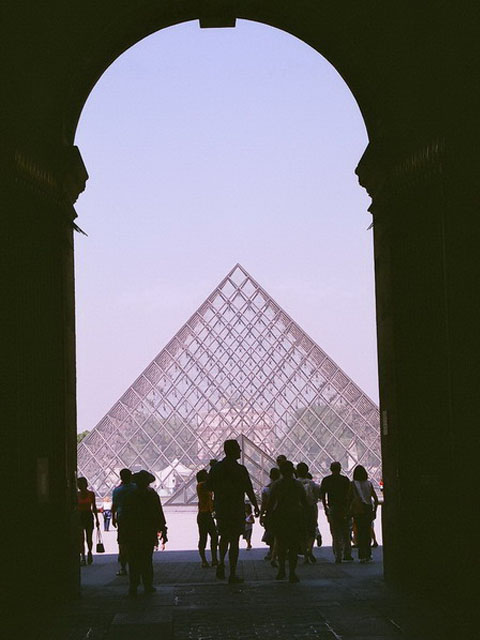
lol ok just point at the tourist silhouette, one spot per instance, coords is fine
(205, 522)
(230, 481)
(268, 537)
(118, 498)
(87, 508)
(281, 458)
(248, 525)
(334, 492)
(107, 516)
(363, 503)
(312, 491)
(287, 510)
(142, 519)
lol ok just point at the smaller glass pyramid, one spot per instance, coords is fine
(239, 368)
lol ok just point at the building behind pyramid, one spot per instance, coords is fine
(239, 368)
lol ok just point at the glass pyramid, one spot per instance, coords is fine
(239, 368)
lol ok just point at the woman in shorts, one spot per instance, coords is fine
(87, 509)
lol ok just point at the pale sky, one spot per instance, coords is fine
(206, 148)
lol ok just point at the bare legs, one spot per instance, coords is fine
(89, 535)
(233, 555)
(309, 550)
(223, 548)
(229, 543)
(86, 535)
(284, 547)
(312, 524)
(122, 558)
(206, 527)
(82, 546)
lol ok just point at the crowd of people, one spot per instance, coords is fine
(138, 516)
(227, 509)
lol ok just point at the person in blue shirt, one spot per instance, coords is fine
(118, 500)
(107, 516)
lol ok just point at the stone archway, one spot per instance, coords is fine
(131, 26)
(419, 175)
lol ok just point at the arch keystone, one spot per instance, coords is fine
(216, 14)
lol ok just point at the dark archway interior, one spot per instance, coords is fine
(419, 104)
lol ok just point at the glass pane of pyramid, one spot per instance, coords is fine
(239, 368)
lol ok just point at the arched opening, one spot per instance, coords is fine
(420, 171)
(222, 156)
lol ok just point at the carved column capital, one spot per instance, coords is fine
(74, 174)
(390, 170)
(58, 175)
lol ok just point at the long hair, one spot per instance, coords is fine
(360, 473)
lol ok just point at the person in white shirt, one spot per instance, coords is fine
(363, 503)
(312, 491)
(268, 536)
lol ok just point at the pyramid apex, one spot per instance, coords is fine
(238, 267)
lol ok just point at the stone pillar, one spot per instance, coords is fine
(38, 405)
(427, 279)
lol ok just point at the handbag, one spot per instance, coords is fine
(100, 547)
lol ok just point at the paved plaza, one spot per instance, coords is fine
(183, 533)
(332, 602)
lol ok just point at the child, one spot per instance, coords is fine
(249, 521)
(107, 516)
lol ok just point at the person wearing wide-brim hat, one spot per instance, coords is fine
(143, 518)
(143, 477)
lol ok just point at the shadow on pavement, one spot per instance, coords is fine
(345, 601)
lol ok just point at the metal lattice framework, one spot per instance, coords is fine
(240, 367)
